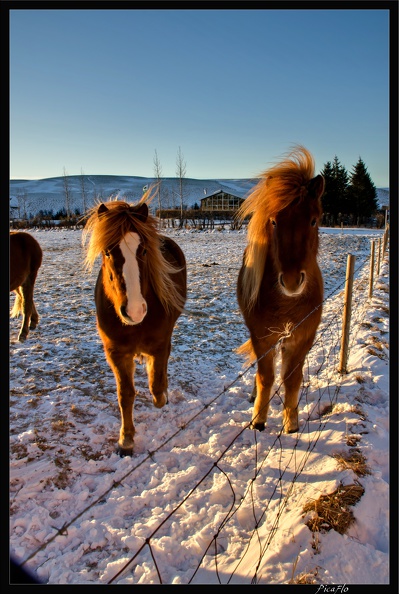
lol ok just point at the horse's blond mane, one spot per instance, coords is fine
(108, 229)
(278, 186)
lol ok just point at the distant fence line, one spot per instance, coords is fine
(168, 218)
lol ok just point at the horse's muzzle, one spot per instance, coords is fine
(137, 317)
(292, 283)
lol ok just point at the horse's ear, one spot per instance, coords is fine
(101, 209)
(316, 187)
(142, 212)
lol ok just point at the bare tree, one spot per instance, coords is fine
(181, 174)
(68, 195)
(158, 176)
(22, 204)
(83, 190)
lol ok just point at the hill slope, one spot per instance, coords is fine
(49, 194)
(32, 196)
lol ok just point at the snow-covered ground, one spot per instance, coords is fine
(204, 499)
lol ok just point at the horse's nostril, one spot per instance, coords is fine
(123, 311)
(302, 279)
(282, 280)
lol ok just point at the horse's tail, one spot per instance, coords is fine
(246, 350)
(17, 309)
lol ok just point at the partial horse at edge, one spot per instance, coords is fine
(25, 260)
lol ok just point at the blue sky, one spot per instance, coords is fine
(99, 91)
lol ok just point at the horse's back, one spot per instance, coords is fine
(173, 253)
(25, 258)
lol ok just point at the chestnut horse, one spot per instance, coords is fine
(25, 260)
(280, 286)
(139, 295)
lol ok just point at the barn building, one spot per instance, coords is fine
(221, 200)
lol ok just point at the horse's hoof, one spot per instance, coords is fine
(251, 399)
(22, 338)
(258, 426)
(289, 430)
(161, 400)
(124, 451)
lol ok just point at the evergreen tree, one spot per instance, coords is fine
(335, 197)
(362, 193)
(329, 193)
(342, 185)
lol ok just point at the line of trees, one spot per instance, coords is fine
(349, 198)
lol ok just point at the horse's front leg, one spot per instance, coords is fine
(123, 367)
(292, 375)
(157, 370)
(264, 381)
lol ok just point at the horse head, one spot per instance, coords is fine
(124, 275)
(294, 233)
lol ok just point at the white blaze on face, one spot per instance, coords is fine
(136, 307)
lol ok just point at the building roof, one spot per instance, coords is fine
(227, 190)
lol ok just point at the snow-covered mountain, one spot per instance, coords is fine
(32, 196)
(49, 194)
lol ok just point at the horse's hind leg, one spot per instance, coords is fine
(26, 308)
(123, 367)
(19, 308)
(157, 370)
(34, 320)
(264, 382)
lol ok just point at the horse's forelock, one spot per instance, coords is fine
(108, 227)
(277, 188)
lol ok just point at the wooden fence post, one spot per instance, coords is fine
(371, 282)
(346, 317)
(385, 239)
(379, 256)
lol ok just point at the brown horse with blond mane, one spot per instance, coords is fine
(140, 293)
(25, 260)
(280, 286)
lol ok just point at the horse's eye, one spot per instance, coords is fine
(144, 251)
(273, 222)
(313, 223)
(107, 254)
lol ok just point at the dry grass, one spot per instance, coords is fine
(379, 344)
(383, 288)
(373, 352)
(332, 512)
(352, 460)
(352, 440)
(360, 379)
(306, 577)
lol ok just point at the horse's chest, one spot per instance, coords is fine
(275, 309)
